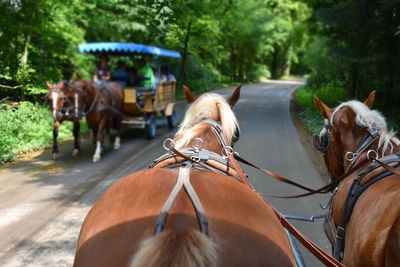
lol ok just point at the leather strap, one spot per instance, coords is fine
(387, 167)
(274, 175)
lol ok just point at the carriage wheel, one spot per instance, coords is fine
(151, 128)
(172, 120)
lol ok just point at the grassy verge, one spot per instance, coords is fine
(27, 127)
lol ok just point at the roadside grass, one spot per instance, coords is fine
(26, 127)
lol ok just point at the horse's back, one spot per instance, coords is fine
(244, 228)
(117, 93)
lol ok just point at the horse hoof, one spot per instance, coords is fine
(75, 152)
(56, 156)
(96, 159)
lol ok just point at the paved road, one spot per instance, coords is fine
(43, 203)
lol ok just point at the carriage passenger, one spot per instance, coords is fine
(145, 78)
(145, 75)
(166, 77)
(120, 74)
(102, 72)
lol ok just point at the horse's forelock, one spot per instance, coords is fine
(209, 106)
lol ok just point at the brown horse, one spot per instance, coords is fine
(365, 208)
(147, 219)
(103, 104)
(65, 106)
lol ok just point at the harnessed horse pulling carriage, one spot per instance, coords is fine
(142, 105)
(109, 105)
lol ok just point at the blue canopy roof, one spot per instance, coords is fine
(126, 49)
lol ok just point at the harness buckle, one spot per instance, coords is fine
(197, 144)
(350, 156)
(227, 151)
(340, 232)
(195, 158)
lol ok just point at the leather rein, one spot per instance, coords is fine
(230, 155)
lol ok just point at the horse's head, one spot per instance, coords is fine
(63, 98)
(207, 115)
(352, 132)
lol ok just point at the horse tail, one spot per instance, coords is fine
(190, 248)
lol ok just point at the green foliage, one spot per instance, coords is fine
(27, 127)
(361, 46)
(331, 93)
(221, 42)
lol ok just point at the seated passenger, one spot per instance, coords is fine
(145, 76)
(166, 76)
(102, 72)
(120, 74)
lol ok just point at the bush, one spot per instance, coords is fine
(331, 93)
(27, 127)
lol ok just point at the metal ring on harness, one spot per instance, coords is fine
(350, 156)
(168, 144)
(197, 144)
(374, 153)
(227, 151)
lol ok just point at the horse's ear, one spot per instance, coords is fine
(49, 85)
(325, 111)
(233, 99)
(370, 100)
(189, 96)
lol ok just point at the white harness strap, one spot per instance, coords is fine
(183, 181)
(54, 96)
(76, 105)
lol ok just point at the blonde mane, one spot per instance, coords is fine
(207, 106)
(373, 120)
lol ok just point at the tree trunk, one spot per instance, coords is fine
(185, 49)
(25, 55)
(275, 64)
(233, 63)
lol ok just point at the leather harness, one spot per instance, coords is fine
(187, 159)
(360, 185)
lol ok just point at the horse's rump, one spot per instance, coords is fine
(244, 229)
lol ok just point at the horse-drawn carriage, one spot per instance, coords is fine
(142, 105)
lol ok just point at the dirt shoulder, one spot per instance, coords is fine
(307, 140)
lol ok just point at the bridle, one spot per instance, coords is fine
(323, 143)
(70, 106)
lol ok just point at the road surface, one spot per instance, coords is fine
(43, 202)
